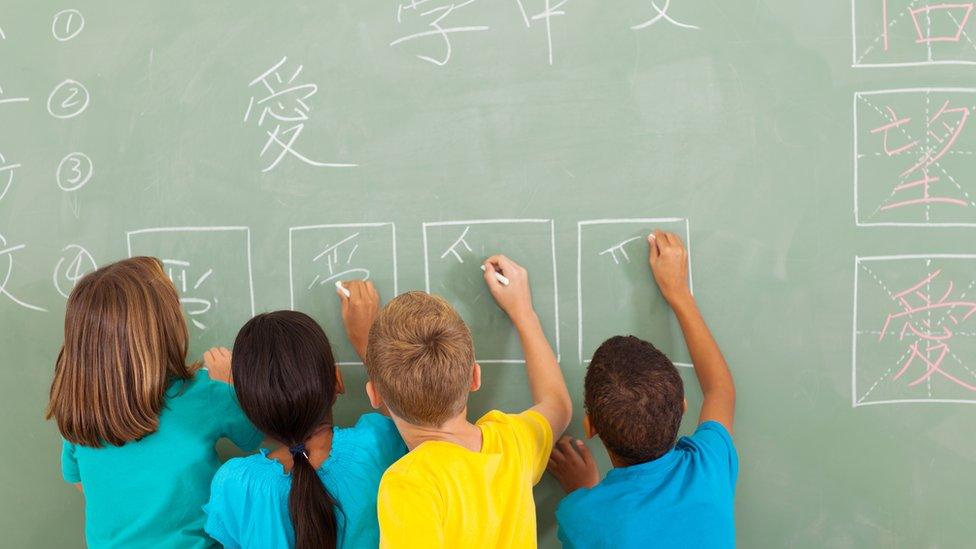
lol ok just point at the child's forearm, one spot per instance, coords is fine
(546, 383)
(711, 369)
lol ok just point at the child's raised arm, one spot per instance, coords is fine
(360, 308)
(669, 263)
(549, 393)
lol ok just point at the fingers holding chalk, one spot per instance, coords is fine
(502, 279)
(342, 289)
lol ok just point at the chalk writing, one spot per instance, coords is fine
(928, 342)
(7, 268)
(7, 170)
(456, 245)
(549, 11)
(282, 104)
(914, 334)
(615, 289)
(913, 32)
(75, 263)
(74, 171)
(200, 301)
(68, 99)
(337, 259)
(438, 15)
(5, 99)
(453, 252)
(67, 24)
(661, 14)
(914, 157)
(620, 248)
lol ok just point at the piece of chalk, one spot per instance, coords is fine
(342, 289)
(498, 276)
(651, 236)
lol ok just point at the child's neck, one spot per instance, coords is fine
(318, 448)
(457, 430)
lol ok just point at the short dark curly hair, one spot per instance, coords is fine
(635, 399)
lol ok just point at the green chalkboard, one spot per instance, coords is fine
(817, 156)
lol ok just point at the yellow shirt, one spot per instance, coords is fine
(444, 495)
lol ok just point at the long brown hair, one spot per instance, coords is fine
(125, 340)
(285, 378)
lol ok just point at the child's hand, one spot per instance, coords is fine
(516, 297)
(217, 361)
(572, 464)
(669, 263)
(359, 310)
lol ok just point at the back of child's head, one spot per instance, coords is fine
(420, 359)
(284, 374)
(125, 340)
(634, 398)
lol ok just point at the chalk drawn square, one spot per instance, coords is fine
(453, 253)
(616, 292)
(915, 157)
(900, 33)
(211, 268)
(914, 329)
(320, 255)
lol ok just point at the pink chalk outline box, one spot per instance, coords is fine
(914, 329)
(900, 33)
(915, 157)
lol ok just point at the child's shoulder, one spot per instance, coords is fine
(241, 471)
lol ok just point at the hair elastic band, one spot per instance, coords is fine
(298, 449)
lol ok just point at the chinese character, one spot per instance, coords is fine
(336, 257)
(178, 272)
(662, 14)
(285, 109)
(943, 130)
(621, 249)
(7, 267)
(453, 249)
(927, 37)
(546, 15)
(440, 28)
(928, 341)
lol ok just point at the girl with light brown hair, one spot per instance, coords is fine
(139, 424)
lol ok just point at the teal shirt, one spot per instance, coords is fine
(682, 499)
(249, 497)
(148, 493)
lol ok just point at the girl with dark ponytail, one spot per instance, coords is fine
(318, 489)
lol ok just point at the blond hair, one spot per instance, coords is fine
(420, 359)
(125, 339)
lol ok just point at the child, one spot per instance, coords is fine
(659, 494)
(318, 489)
(463, 484)
(139, 424)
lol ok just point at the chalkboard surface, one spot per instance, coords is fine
(817, 156)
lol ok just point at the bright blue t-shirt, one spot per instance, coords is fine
(682, 499)
(148, 493)
(249, 496)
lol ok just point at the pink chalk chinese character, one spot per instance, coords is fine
(928, 339)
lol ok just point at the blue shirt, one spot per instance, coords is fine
(682, 499)
(249, 496)
(148, 492)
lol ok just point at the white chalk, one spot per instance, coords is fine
(498, 276)
(651, 236)
(342, 289)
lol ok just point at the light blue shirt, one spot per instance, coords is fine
(682, 499)
(249, 496)
(148, 493)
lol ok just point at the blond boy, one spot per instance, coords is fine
(462, 484)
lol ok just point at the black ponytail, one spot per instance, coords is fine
(284, 376)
